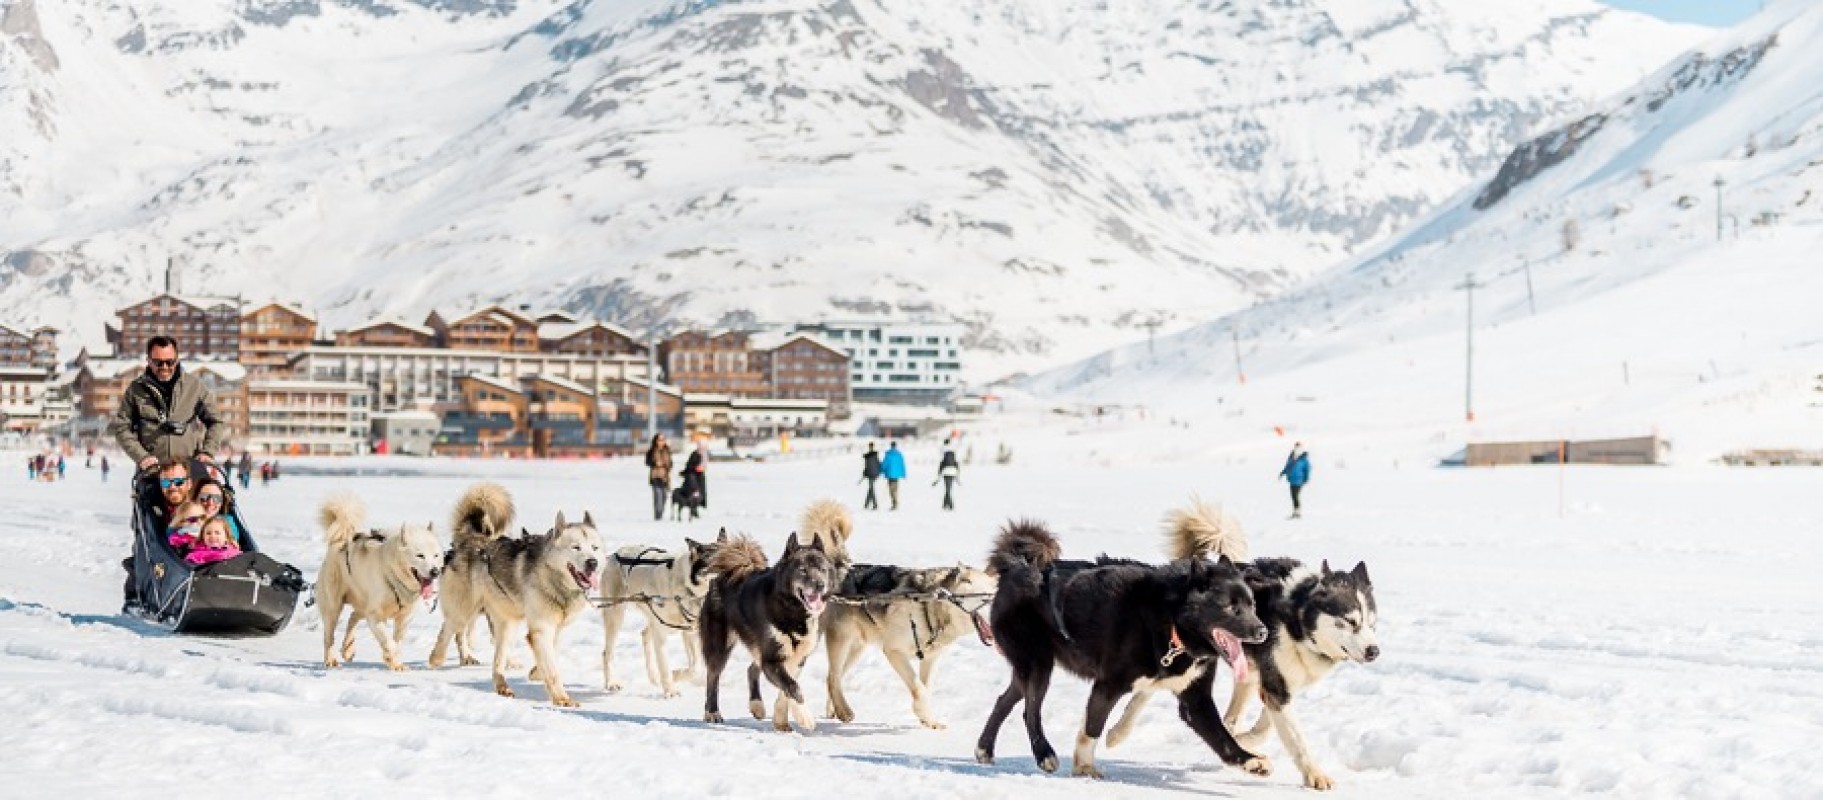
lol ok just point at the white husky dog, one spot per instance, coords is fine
(381, 574)
(669, 589)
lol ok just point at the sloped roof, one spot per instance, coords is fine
(773, 340)
(558, 331)
(563, 383)
(231, 371)
(286, 306)
(395, 322)
(494, 382)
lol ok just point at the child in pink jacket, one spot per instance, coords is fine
(215, 543)
(186, 526)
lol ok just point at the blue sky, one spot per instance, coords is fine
(1719, 13)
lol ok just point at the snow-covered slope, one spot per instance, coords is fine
(1053, 174)
(1644, 319)
(1696, 679)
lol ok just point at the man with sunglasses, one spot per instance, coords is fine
(160, 498)
(165, 414)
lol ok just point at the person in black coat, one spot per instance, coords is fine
(870, 472)
(950, 472)
(696, 479)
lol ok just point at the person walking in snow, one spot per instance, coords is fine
(870, 472)
(892, 467)
(950, 473)
(1296, 473)
(658, 473)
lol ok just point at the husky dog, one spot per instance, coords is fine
(381, 575)
(773, 610)
(1315, 620)
(1126, 627)
(672, 586)
(542, 580)
(904, 629)
(829, 522)
(486, 510)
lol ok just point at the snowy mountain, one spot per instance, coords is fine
(1054, 175)
(1614, 296)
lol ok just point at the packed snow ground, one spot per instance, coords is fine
(1656, 639)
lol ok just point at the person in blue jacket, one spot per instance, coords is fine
(1296, 473)
(892, 467)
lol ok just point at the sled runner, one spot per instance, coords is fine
(250, 594)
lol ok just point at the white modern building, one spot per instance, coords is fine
(897, 363)
(409, 377)
(307, 417)
(22, 397)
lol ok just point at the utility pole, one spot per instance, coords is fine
(1469, 285)
(1718, 207)
(1530, 300)
(1235, 333)
(651, 383)
(1151, 326)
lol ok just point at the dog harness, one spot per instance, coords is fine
(654, 602)
(1052, 589)
(641, 561)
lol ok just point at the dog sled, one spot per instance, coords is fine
(248, 595)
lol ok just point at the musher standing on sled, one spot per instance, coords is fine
(166, 416)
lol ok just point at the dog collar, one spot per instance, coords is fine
(1176, 649)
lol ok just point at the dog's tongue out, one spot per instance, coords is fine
(983, 630)
(813, 602)
(1231, 652)
(588, 581)
(427, 588)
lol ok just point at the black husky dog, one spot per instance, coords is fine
(773, 611)
(1124, 626)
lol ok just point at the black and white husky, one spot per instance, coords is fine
(1126, 627)
(669, 589)
(1315, 620)
(771, 609)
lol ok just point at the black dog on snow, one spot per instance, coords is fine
(774, 611)
(683, 498)
(1122, 625)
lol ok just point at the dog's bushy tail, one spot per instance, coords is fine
(483, 513)
(830, 522)
(1202, 530)
(342, 515)
(735, 560)
(1023, 543)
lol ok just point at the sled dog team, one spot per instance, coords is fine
(1128, 627)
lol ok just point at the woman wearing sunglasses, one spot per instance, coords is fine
(214, 500)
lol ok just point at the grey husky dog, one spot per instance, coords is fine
(543, 581)
(1316, 619)
(669, 589)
